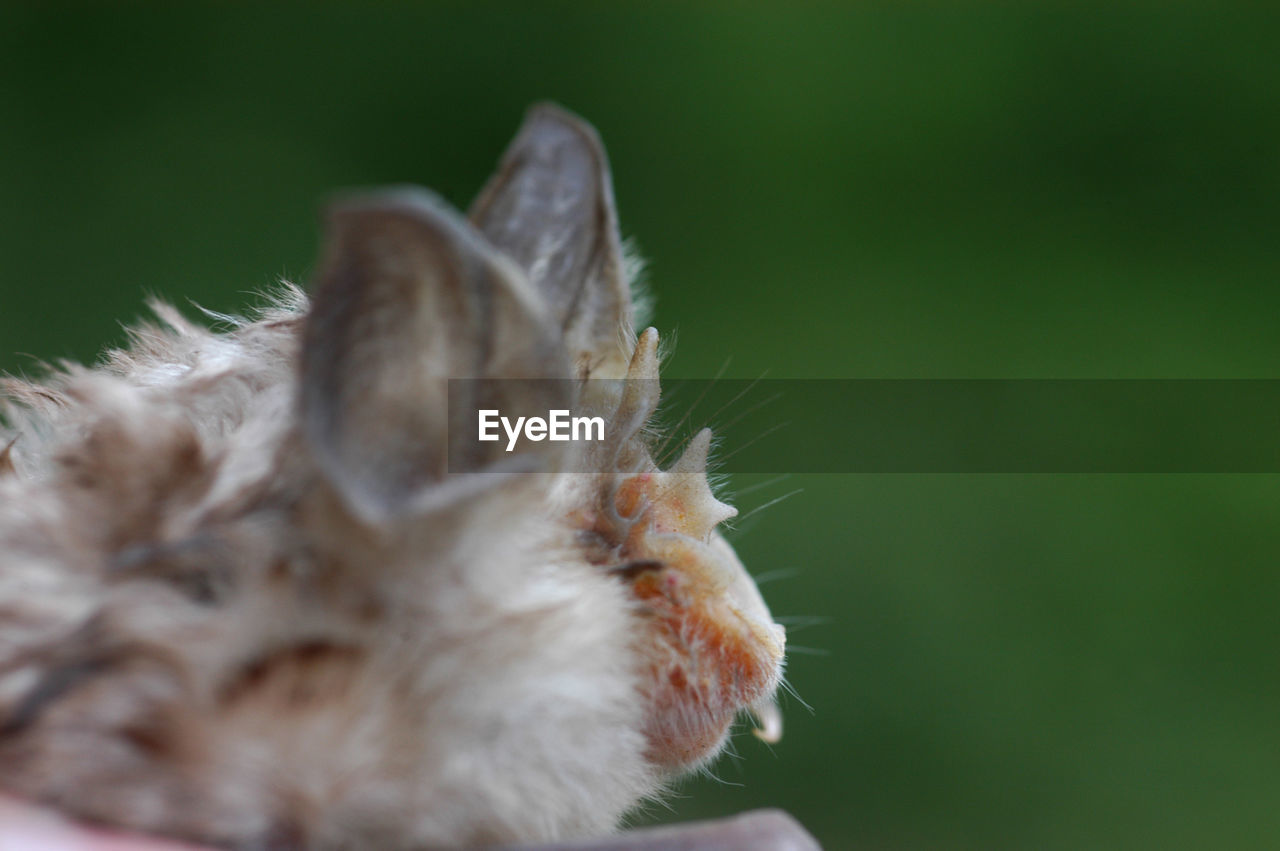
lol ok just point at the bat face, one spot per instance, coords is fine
(709, 645)
(247, 603)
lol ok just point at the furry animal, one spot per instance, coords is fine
(245, 599)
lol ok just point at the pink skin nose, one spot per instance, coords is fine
(26, 828)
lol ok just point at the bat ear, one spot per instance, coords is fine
(549, 207)
(409, 296)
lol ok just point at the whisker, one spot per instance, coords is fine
(775, 575)
(721, 459)
(738, 396)
(808, 651)
(769, 504)
(761, 485)
(790, 690)
(662, 448)
(744, 391)
(648, 806)
(706, 771)
(724, 427)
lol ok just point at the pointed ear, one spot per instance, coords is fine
(409, 296)
(549, 207)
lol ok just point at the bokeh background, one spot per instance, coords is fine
(865, 190)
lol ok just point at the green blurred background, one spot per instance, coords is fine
(881, 190)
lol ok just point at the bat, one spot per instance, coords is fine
(249, 600)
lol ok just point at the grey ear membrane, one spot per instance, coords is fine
(549, 207)
(408, 297)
